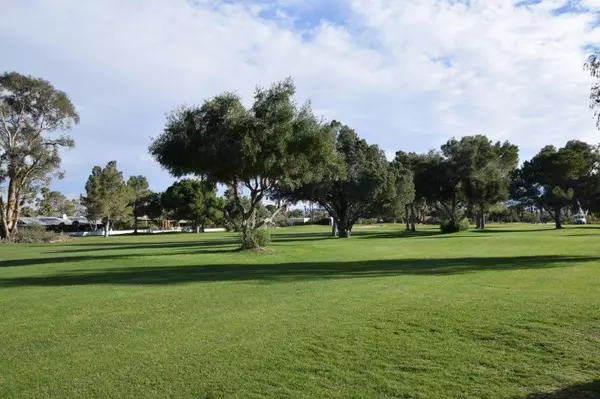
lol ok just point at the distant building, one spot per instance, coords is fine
(64, 224)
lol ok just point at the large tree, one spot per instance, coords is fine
(403, 204)
(484, 168)
(30, 109)
(439, 180)
(107, 195)
(361, 184)
(192, 200)
(556, 179)
(254, 150)
(139, 189)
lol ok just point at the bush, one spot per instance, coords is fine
(253, 239)
(324, 221)
(454, 227)
(531, 218)
(34, 235)
(433, 220)
(367, 221)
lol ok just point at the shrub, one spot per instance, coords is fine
(448, 226)
(34, 235)
(324, 221)
(253, 239)
(531, 218)
(367, 221)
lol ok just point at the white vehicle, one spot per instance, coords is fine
(579, 219)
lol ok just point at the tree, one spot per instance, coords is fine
(273, 143)
(138, 187)
(193, 200)
(30, 108)
(413, 191)
(439, 181)
(107, 195)
(405, 190)
(54, 203)
(555, 178)
(485, 170)
(362, 185)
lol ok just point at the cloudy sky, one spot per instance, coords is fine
(406, 74)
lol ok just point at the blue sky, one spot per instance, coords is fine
(405, 74)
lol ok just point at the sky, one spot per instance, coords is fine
(407, 75)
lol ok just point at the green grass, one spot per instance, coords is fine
(510, 312)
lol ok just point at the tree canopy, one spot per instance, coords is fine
(192, 200)
(107, 195)
(274, 142)
(555, 179)
(359, 182)
(139, 191)
(30, 109)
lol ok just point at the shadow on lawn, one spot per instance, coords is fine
(292, 271)
(110, 255)
(590, 390)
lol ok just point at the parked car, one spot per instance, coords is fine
(579, 219)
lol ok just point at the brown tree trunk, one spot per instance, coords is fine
(557, 222)
(107, 228)
(412, 218)
(333, 227)
(406, 217)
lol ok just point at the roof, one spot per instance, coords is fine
(53, 221)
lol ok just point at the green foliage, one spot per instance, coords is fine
(451, 226)
(33, 235)
(192, 200)
(272, 143)
(54, 203)
(107, 195)
(29, 108)
(326, 221)
(555, 179)
(139, 192)
(254, 239)
(359, 183)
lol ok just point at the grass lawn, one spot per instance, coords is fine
(507, 313)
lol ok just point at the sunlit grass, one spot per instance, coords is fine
(503, 313)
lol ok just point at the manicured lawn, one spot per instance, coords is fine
(505, 313)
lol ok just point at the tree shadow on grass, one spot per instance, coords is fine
(493, 230)
(307, 236)
(590, 390)
(396, 234)
(148, 246)
(282, 272)
(110, 256)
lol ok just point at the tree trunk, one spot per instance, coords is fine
(344, 233)
(4, 233)
(333, 227)
(107, 228)
(482, 222)
(135, 224)
(477, 221)
(412, 219)
(406, 217)
(557, 219)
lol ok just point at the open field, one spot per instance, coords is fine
(507, 313)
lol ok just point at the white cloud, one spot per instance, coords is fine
(407, 75)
